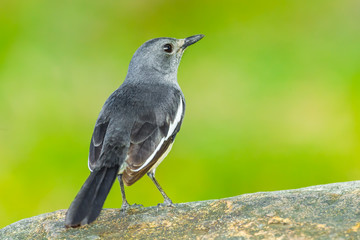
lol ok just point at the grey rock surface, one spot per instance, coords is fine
(319, 212)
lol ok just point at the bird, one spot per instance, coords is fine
(135, 129)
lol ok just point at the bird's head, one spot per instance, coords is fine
(160, 56)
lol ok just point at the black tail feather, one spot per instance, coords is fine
(89, 201)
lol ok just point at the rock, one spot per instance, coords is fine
(323, 212)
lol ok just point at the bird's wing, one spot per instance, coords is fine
(150, 141)
(96, 143)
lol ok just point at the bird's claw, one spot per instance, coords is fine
(136, 205)
(166, 203)
(125, 206)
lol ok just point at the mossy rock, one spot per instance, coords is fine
(319, 212)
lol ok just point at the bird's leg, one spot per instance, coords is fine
(167, 200)
(125, 205)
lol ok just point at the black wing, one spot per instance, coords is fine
(150, 141)
(96, 144)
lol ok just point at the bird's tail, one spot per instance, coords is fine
(89, 201)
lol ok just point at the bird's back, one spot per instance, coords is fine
(139, 119)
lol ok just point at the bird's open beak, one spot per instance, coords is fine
(191, 40)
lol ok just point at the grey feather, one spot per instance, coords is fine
(136, 125)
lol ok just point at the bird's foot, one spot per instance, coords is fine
(125, 206)
(136, 205)
(166, 203)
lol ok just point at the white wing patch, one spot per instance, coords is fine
(89, 164)
(170, 132)
(176, 120)
(153, 168)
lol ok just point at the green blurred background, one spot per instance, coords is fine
(273, 96)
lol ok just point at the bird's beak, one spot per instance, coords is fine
(191, 40)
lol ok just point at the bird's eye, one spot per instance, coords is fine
(168, 48)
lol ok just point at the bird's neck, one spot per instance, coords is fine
(143, 74)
